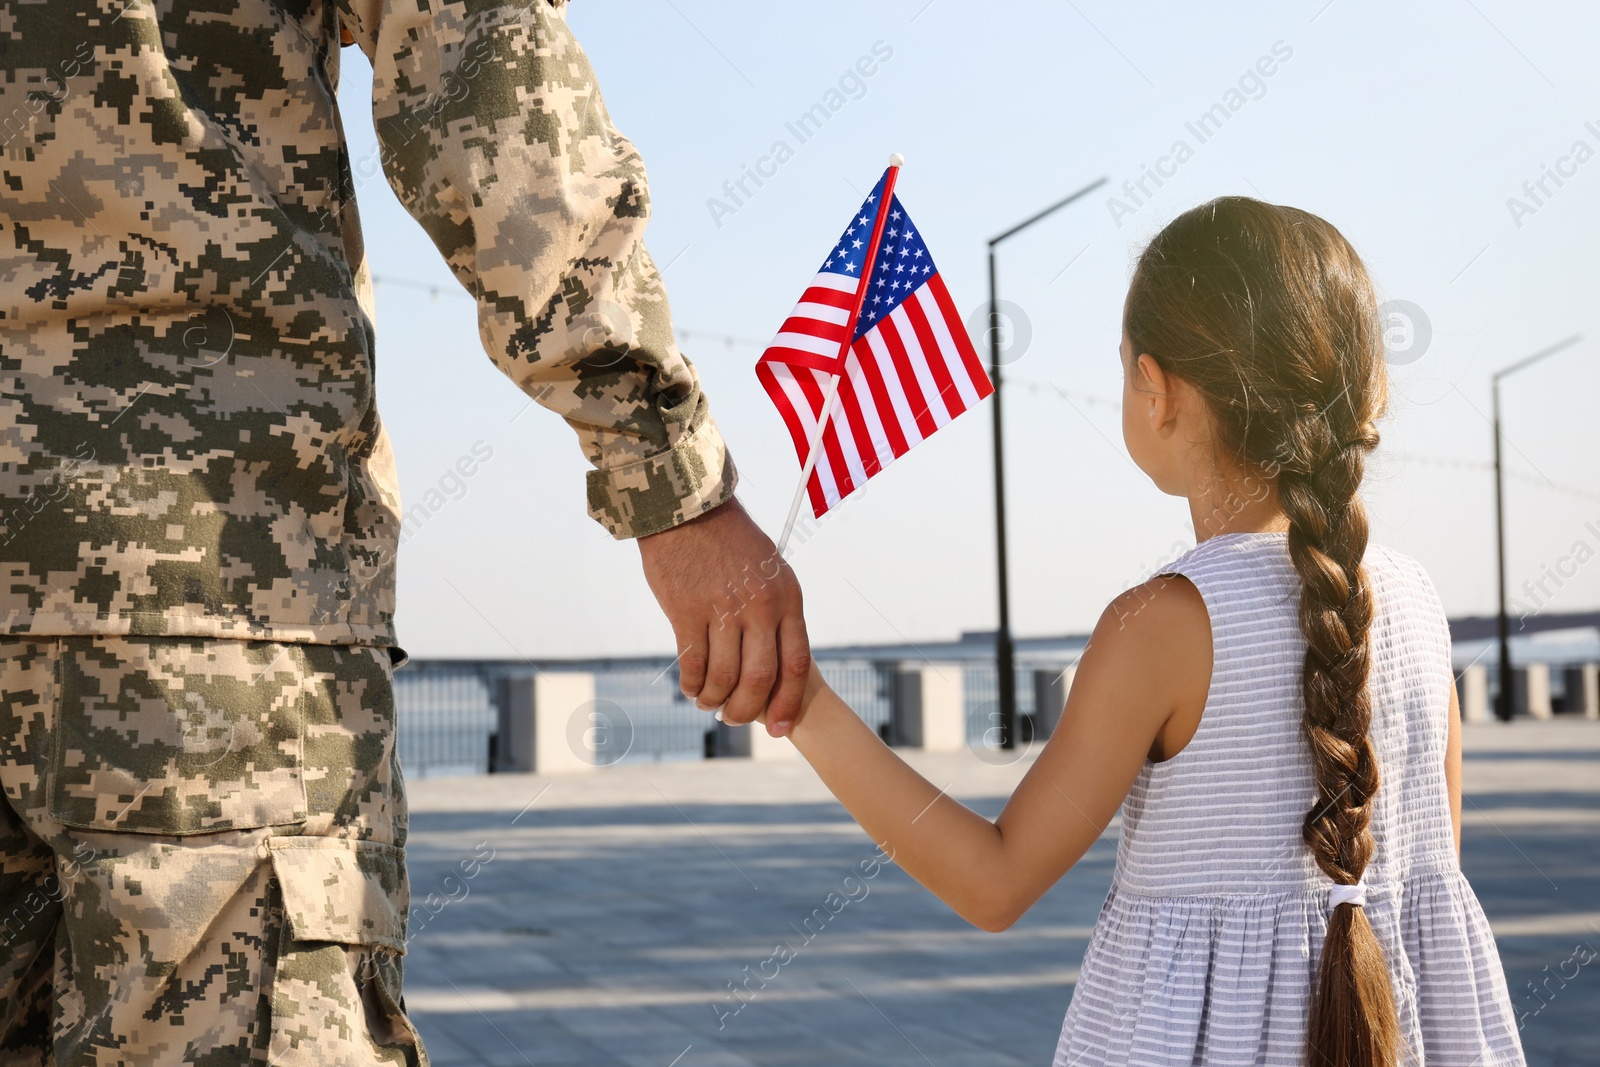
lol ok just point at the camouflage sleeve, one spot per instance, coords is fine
(494, 136)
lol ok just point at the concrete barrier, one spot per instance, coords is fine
(765, 748)
(1583, 689)
(545, 725)
(1530, 692)
(929, 710)
(1472, 690)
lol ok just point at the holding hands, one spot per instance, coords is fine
(735, 610)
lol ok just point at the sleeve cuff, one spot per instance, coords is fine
(666, 489)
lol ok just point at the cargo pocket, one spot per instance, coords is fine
(179, 736)
(336, 993)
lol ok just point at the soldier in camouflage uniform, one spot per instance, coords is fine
(202, 829)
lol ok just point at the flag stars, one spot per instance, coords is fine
(903, 263)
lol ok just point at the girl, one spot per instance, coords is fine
(1274, 712)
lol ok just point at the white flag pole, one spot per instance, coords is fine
(812, 451)
(896, 161)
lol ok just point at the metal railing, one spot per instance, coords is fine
(647, 717)
(445, 715)
(866, 685)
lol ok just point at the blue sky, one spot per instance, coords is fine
(1410, 126)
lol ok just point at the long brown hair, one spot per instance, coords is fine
(1269, 313)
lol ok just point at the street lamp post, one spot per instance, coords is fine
(1005, 654)
(1502, 700)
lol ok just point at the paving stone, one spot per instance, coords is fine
(619, 906)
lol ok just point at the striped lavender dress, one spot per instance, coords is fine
(1206, 946)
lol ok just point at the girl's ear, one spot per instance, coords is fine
(1157, 396)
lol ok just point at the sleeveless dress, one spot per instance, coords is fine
(1207, 944)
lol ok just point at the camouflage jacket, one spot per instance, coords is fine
(188, 441)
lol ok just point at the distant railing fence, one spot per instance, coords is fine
(1538, 690)
(465, 717)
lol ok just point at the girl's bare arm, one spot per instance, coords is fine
(1147, 668)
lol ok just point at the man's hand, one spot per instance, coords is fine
(816, 685)
(734, 606)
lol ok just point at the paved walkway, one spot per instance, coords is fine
(599, 920)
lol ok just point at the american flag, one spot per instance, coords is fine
(910, 367)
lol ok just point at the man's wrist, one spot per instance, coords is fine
(724, 509)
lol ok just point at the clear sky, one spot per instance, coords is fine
(1410, 126)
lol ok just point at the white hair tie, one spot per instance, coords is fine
(1348, 894)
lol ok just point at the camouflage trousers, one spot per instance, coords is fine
(200, 854)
